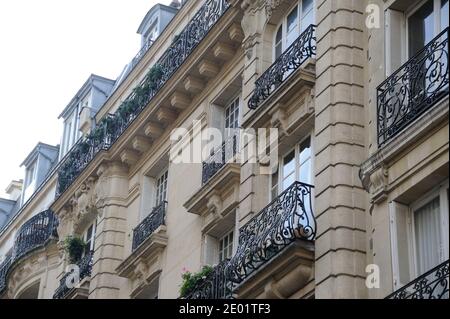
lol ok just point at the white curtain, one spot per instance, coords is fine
(428, 234)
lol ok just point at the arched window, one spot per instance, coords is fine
(298, 19)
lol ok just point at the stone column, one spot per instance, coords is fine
(340, 199)
(111, 192)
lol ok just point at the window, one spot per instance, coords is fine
(424, 22)
(294, 166)
(292, 25)
(161, 188)
(89, 238)
(226, 247)
(429, 231)
(419, 235)
(30, 175)
(232, 117)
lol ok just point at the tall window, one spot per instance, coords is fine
(232, 114)
(299, 18)
(226, 246)
(294, 166)
(425, 22)
(89, 238)
(161, 188)
(30, 175)
(429, 228)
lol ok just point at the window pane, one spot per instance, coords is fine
(292, 27)
(288, 181)
(307, 20)
(427, 232)
(305, 150)
(421, 28)
(305, 172)
(307, 6)
(289, 164)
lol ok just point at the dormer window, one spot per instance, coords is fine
(298, 19)
(152, 34)
(30, 175)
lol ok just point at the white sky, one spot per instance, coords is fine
(48, 50)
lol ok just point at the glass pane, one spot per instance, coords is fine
(307, 20)
(444, 14)
(305, 150)
(421, 28)
(292, 29)
(427, 231)
(305, 172)
(289, 164)
(288, 181)
(307, 6)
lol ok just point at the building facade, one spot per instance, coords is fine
(284, 149)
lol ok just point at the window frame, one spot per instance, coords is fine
(296, 149)
(441, 192)
(224, 250)
(283, 25)
(90, 241)
(158, 201)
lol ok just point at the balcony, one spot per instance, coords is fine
(303, 48)
(144, 264)
(433, 284)
(111, 127)
(214, 286)
(148, 226)
(284, 231)
(67, 287)
(219, 158)
(413, 89)
(34, 234)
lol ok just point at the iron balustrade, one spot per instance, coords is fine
(219, 157)
(66, 284)
(111, 127)
(33, 234)
(4, 268)
(288, 218)
(433, 284)
(149, 225)
(296, 54)
(413, 89)
(214, 286)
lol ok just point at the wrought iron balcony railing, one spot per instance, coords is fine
(296, 54)
(413, 89)
(111, 127)
(66, 284)
(214, 286)
(4, 267)
(149, 225)
(288, 218)
(33, 234)
(433, 284)
(219, 157)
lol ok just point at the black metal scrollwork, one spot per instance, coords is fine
(85, 269)
(149, 225)
(33, 234)
(433, 284)
(296, 54)
(214, 286)
(287, 218)
(219, 157)
(413, 88)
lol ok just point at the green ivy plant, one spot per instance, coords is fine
(74, 247)
(190, 280)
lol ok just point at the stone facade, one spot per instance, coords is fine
(152, 218)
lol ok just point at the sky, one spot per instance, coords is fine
(48, 50)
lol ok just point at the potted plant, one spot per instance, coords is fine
(74, 246)
(191, 280)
